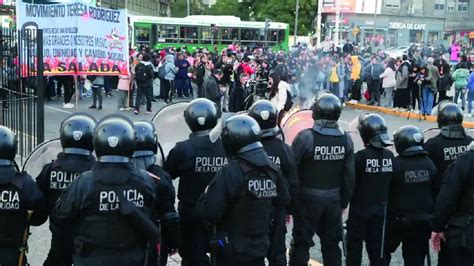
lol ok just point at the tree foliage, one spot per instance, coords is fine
(258, 10)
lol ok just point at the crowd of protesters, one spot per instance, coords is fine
(418, 80)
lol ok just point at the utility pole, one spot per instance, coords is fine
(375, 21)
(296, 20)
(338, 13)
(188, 8)
(318, 22)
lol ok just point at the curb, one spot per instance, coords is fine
(400, 113)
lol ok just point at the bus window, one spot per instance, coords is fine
(229, 35)
(273, 38)
(250, 36)
(281, 36)
(188, 34)
(142, 35)
(167, 34)
(206, 35)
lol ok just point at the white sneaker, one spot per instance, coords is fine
(467, 115)
(122, 109)
(68, 106)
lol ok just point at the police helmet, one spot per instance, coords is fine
(147, 139)
(266, 115)
(240, 133)
(450, 114)
(115, 139)
(327, 107)
(201, 114)
(408, 140)
(8, 146)
(373, 130)
(77, 134)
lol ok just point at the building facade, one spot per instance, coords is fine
(399, 22)
(159, 8)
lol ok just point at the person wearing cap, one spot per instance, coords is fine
(213, 91)
(373, 171)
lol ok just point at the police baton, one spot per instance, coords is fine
(213, 247)
(26, 234)
(344, 240)
(382, 248)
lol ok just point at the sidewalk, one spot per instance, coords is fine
(468, 121)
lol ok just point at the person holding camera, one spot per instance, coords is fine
(279, 94)
(213, 91)
(238, 95)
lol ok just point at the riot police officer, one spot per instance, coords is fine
(451, 142)
(266, 114)
(76, 135)
(241, 196)
(410, 197)
(20, 200)
(113, 203)
(194, 162)
(144, 158)
(325, 159)
(373, 171)
(453, 214)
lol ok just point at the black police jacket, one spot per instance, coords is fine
(240, 198)
(325, 160)
(443, 151)
(18, 195)
(58, 175)
(96, 201)
(195, 161)
(411, 186)
(457, 192)
(373, 172)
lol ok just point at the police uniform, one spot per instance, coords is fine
(144, 158)
(325, 159)
(241, 197)
(113, 204)
(374, 167)
(266, 114)
(52, 181)
(410, 200)
(453, 212)
(373, 171)
(195, 162)
(19, 195)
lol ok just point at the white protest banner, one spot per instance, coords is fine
(78, 39)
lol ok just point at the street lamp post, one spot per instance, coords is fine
(296, 20)
(375, 21)
(318, 22)
(188, 8)
(338, 14)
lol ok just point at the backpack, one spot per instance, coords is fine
(284, 73)
(334, 78)
(289, 101)
(162, 72)
(141, 74)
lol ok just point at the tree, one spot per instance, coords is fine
(179, 8)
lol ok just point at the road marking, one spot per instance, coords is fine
(59, 110)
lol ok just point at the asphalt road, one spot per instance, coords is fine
(54, 114)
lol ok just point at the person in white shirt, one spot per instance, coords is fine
(278, 93)
(388, 81)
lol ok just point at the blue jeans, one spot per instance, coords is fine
(427, 97)
(470, 98)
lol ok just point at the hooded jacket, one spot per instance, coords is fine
(170, 68)
(356, 68)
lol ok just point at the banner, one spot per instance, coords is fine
(78, 38)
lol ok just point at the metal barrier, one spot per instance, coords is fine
(21, 87)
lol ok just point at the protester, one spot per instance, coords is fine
(212, 91)
(460, 78)
(356, 68)
(470, 94)
(402, 82)
(372, 75)
(97, 87)
(123, 88)
(237, 98)
(168, 82)
(388, 82)
(181, 79)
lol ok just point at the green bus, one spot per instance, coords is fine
(205, 31)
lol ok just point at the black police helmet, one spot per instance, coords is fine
(327, 107)
(373, 130)
(77, 134)
(8, 146)
(201, 114)
(266, 115)
(115, 139)
(450, 114)
(147, 139)
(408, 140)
(240, 133)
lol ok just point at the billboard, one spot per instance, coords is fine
(353, 6)
(78, 39)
